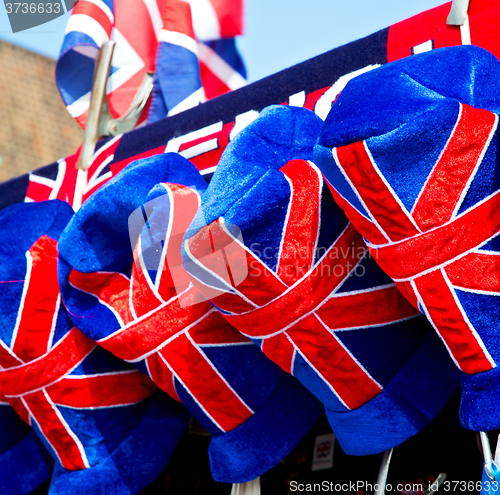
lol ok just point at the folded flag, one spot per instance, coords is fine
(96, 415)
(410, 151)
(144, 309)
(299, 282)
(221, 67)
(177, 83)
(24, 462)
(202, 133)
(155, 36)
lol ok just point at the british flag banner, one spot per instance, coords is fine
(416, 171)
(201, 133)
(96, 415)
(151, 36)
(310, 296)
(177, 76)
(145, 310)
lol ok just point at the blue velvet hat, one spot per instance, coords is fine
(141, 306)
(97, 416)
(298, 281)
(411, 153)
(24, 462)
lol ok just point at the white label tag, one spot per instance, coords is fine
(323, 452)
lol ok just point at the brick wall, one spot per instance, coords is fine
(35, 127)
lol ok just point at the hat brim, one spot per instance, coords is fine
(136, 462)
(409, 402)
(262, 441)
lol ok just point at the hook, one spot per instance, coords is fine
(100, 123)
(384, 471)
(458, 13)
(491, 466)
(458, 17)
(112, 127)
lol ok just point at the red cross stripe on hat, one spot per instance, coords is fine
(167, 322)
(431, 249)
(35, 373)
(296, 309)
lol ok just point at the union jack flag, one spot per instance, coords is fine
(309, 317)
(171, 328)
(148, 313)
(448, 221)
(312, 298)
(164, 326)
(151, 36)
(56, 378)
(450, 234)
(431, 218)
(58, 180)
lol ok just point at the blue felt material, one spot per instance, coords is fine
(108, 436)
(488, 172)
(255, 382)
(399, 156)
(406, 112)
(409, 88)
(101, 231)
(279, 135)
(102, 222)
(30, 221)
(267, 437)
(480, 399)
(154, 230)
(151, 444)
(485, 320)
(408, 403)
(46, 218)
(250, 192)
(24, 463)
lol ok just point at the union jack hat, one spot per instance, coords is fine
(140, 305)
(98, 416)
(24, 462)
(295, 277)
(410, 152)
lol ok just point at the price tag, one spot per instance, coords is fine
(323, 452)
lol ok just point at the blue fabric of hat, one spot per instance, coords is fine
(411, 153)
(131, 294)
(24, 462)
(279, 258)
(97, 416)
